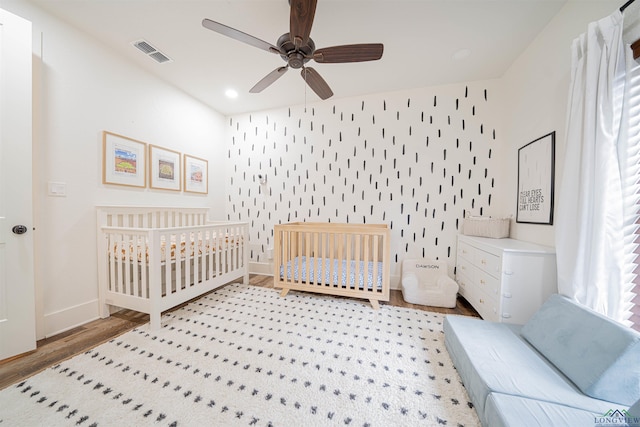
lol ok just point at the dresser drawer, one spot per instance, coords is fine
(487, 262)
(487, 283)
(465, 268)
(485, 305)
(465, 251)
(465, 285)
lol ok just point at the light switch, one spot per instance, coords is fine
(58, 189)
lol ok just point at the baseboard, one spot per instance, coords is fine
(69, 318)
(394, 282)
(264, 268)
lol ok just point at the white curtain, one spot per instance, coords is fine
(591, 216)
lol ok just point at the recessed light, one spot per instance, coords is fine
(231, 93)
(461, 54)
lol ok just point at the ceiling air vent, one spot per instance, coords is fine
(151, 51)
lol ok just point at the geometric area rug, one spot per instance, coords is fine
(244, 356)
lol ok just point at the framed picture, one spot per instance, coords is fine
(124, 160)
(164, 172)
(196, 175)
(536, 175)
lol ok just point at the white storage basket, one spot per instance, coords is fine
(496, 228)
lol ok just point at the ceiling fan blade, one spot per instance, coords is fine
(316, 82)
(239, 35)
(301, 20)
(269, 79)
(349, 53)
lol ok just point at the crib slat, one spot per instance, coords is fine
(218, 250)
(155, 287)
(177, 260)
(127, 281)
(375, 273)
(195, 255)
(114, 260)
(120, 286)
(348, 259)
(207, 249)
(142, 266)
(357, 258)
(338, 259)
(190, 259)
(307, 246)
(325, 244)
(365, 276)
(298, 246)
(135, 280)
(224, 258)
(229, 232)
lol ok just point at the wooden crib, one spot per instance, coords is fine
(151, 259)
(338, 259)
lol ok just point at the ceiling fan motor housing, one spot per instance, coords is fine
(296, 58)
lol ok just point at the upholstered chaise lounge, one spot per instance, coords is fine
(567, 366)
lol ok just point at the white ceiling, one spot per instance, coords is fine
(420, 38)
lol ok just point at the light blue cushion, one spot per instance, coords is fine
(599, 355)
(504, 410)
(634, 411)
(493, 357)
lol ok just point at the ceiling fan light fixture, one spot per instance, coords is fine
(231, 93)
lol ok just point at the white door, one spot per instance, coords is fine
(17, 296)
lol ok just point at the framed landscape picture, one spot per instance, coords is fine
(124, 160)
(536, 175)
(164, 173)
(196, 175)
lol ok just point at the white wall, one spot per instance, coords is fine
(536, 90)
(81, 89)
(417, 160)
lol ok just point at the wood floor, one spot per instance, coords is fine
(63, 346)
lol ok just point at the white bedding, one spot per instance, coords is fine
(323, 270)
(138, 249)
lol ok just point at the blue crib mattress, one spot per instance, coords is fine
(320, 273)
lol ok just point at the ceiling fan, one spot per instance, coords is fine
(296, 48)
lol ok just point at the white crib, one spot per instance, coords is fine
(151, 259)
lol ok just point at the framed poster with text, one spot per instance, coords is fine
(536, 175)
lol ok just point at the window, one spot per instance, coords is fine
(632, 197)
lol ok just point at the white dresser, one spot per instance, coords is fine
(505, 280)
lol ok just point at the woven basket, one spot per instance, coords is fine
(496, 228)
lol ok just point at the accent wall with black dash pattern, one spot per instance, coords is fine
(417, 160)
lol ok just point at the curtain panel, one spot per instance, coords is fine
(591, 216)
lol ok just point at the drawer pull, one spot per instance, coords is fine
(483, 261)
(482, 282)
(481, 301)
